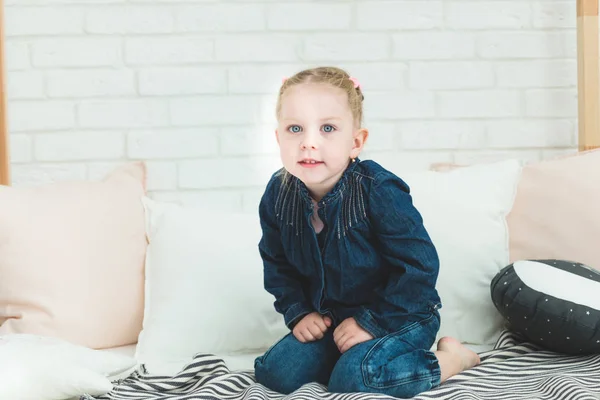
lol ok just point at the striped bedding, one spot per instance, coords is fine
(514, 369)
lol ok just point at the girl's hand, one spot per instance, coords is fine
(312, 327)
(348, 334)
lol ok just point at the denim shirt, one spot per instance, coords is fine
(376, 262)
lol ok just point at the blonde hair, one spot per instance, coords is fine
(333, 76)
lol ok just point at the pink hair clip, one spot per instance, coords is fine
(285, 78)
(355, 81)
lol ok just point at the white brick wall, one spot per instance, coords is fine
(189, 85)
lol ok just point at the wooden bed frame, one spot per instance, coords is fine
(4, 144)
(587, 80)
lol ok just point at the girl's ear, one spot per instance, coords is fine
(360, 138)
(277, 136)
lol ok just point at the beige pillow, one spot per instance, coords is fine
(72, 259)
(556, 213)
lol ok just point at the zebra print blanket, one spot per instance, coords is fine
(513, 370)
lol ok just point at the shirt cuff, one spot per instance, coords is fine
(366, 320)
(295, 312)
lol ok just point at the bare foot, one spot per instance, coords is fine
(469, 358)
(454, 357)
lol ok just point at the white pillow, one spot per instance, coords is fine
(42, 368)
(204, 287)
(204, 275)
(465, 213)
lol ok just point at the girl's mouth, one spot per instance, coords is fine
(310, 163)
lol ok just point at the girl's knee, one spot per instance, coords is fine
(270, 368)
(364, 369)
(274, 377)
(350, 377)
(289, 364)
(347, 376)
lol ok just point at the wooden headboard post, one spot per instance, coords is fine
(587, 75)
(4, 144)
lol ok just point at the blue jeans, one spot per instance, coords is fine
(399, 364)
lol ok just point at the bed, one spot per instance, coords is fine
(512, 369)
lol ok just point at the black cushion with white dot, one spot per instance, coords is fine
(553, 303)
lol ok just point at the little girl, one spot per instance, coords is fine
(352, 269)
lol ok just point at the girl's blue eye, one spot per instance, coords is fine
(328, 128)
(295, 129)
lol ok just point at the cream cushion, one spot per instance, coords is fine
(556, 214)
(72, 259)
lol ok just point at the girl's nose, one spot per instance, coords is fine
(309, 141)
